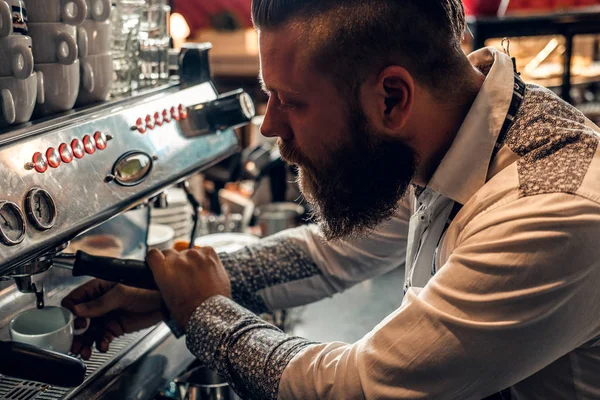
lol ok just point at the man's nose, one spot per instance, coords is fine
(275, 126)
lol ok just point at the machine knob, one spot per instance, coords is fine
(230, 110)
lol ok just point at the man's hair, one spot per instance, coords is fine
(352, 39)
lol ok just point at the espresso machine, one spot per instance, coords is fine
(67, 175)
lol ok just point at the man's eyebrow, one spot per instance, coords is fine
(270, 89)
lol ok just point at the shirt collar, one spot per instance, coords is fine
(464, 168)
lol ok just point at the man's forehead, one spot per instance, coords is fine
(281, 65)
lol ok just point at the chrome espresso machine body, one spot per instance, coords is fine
(66, 175)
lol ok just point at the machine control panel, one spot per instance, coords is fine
(65, 153)
(59, 184)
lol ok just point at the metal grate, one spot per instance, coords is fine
(16, 389)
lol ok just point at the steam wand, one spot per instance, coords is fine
(197, 208)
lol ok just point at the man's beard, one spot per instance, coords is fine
(359, 184)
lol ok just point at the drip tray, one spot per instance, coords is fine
(16, 389)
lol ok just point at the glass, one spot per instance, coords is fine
(125, 23)
(154, 45)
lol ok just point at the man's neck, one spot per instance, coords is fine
(438, 123)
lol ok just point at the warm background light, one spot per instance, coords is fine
(180, 30)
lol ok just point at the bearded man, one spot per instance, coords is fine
(412, 153)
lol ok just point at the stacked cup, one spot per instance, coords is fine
(94, 51)
(53, 30)
(19, 86)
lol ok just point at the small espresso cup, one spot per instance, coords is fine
(61, 86)
(53, 42)
(93, 38)
(96, 78)
(72, 12)
(98, 10)
(50, 328)
(16, 57)
(18, 98)
(13, 17)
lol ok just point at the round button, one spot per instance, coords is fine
(149, 122)
(158, 119)
(174, 114)
(166, 116)
(101, 140)
(89, 145)
(77, 147)
(66, 154)
(53, 157)
(140, 125)
(39, 162)
(183, 113)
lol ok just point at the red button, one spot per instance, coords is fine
(66, 154)
(39, 162)
(89, 145)
(53, 157)
(158, 119)
(183, 113)
(149, 123)
(140, 126)
(174, 114)
(77, 147)
(166, 116)
(100, 139)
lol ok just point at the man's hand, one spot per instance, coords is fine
(187, 279)
(114, 309)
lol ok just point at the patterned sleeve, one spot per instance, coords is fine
(248, 352)
(273, 261)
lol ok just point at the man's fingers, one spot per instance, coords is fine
(86, 292)
(101, 306)
(114, 328)
(157, 261)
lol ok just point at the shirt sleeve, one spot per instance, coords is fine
(518, 292)
(297, 266)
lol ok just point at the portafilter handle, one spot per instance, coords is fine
(23, 361)
(231, 110)
(133, 273)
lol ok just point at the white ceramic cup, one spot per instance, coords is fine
(96, 78)
(72, 12)
(18, 98)
(13, 18)
(16, 57)
(61, 85)
(50, 328)
(93, 38)
(98, 10)
(53, 42)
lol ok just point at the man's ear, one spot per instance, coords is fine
(388, 100)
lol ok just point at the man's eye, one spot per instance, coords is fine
(287, 106)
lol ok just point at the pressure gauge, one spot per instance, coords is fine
(40, 209)
(12, 223)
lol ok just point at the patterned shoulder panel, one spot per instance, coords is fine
(555, 146)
